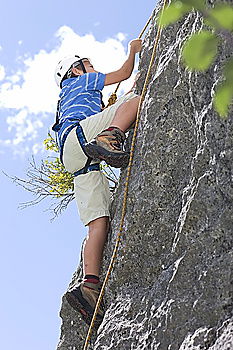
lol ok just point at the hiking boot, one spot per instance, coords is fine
(83, 298)
(108, 146)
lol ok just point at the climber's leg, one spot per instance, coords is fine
(126, 114)
(83, 297)
(94, 245)
(108, 145)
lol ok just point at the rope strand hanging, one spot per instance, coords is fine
(118, 239)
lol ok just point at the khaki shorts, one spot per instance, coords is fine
(92, 189)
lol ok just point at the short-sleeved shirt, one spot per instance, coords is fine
(80, 98)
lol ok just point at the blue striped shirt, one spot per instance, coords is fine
(80, 98)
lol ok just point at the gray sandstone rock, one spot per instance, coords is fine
(171, 288)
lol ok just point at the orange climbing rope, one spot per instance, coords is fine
(118, 239)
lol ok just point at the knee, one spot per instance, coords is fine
(135, 100)
(134, 103)
(98, 225)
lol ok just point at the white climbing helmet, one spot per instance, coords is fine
(65, 65)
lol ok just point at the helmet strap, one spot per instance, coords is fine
(83, 67)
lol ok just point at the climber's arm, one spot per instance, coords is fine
(126, 70)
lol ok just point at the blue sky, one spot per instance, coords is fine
(37, 257)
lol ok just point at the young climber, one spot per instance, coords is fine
(87, 134)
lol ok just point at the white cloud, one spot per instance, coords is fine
(38, 147)
(2, 72)
(14, 78)
(30, 94)
(121, 36)
(25, 128)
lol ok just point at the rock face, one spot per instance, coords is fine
(171, 288)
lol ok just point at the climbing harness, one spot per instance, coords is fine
(118, 239)
(87, 168)
(65, 129)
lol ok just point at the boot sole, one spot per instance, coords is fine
(78, 303)
(116, 160)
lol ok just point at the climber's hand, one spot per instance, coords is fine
(126, 70)
(136, 45)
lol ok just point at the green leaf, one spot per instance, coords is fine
(223, 98)
(51, 144)
(173, 13)
(224, 92)
(221, 15)
(200, 50)
(197, 4)
(228, 71)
